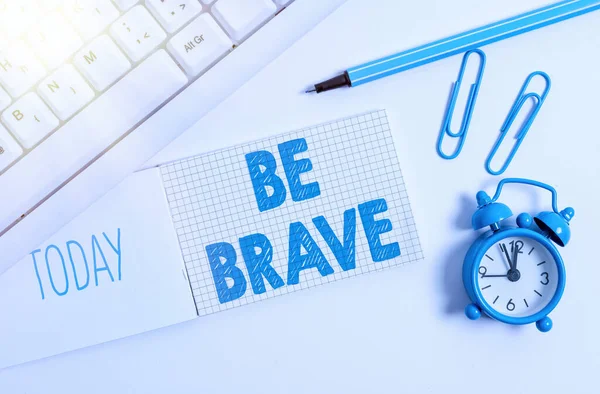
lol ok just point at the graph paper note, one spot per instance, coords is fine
(291, 212)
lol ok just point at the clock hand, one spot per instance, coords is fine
(503, 248)
(516, 256)
(495, 276)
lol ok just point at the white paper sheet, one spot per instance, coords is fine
(136, 282)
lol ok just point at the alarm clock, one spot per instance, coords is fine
(515, 274)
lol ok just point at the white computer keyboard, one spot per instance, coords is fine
(67, 64)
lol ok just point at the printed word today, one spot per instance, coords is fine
(72, 265)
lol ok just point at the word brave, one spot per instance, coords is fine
(257, 252)
(79, 264)
(304, 252)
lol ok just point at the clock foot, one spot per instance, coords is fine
(544, 325)
(473, 312)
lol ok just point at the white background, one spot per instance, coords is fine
(400, 330)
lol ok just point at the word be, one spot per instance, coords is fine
(78, 262)
(269, 189)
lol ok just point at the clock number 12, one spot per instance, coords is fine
(519, 245)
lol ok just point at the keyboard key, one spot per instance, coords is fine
(17, 16)
(65, 91)
(199, 44)
(9, 149)
(124, 5)
(30, 120)
(5, 99)
(53, 40)
(19, 69)
(50, 5)
(90, 17)
(241, 17)
(173, 15)
(101, 62)
(137, 33)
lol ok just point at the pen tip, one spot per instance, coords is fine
(310, 91)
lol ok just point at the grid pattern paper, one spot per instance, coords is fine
(212, 200)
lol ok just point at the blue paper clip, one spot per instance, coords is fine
(462, 133)
(512, 115)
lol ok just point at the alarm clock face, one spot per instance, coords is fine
(518, 277)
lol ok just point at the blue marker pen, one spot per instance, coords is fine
(459, 43)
